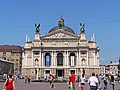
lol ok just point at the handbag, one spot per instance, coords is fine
(6, 83)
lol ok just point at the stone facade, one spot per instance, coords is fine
(14, 54)
(102, 69)
(60, 52)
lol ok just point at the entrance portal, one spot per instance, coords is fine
(60, 73)
(47, 71)
(47, 74)
(72, 71)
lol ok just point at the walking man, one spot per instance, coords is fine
(112, 83)
(93, 82)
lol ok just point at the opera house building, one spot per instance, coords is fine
(60, 52)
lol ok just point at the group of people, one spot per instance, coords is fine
(96, 82)
(100, 82)
(27, 79)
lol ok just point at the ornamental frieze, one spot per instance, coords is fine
(60, 35)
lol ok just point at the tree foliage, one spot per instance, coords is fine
(118, 66)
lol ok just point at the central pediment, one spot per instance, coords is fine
(60, 34)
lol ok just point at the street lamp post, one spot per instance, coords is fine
(37, 74)
(36, 66)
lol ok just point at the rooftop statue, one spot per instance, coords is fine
(82, 28)
(37, 27)
(60, 22)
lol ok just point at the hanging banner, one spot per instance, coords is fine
(72, 60)
(47, 60)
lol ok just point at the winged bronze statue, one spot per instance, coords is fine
(82, 27)
(37, 27)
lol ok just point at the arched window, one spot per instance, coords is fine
(59, 59)
(72, 59)
(47, 59)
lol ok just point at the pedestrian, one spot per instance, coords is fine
(72, 80)
(16, 78)
(93, 82)
(29, 79)
(26, 78)
(112, 82)
(69, 86)
(39, 77)
(82, 82)
(9, 83)
(100, 81)
(45, 76)
(105, 81)
(51, 80)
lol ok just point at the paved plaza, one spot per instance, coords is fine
(20, 85)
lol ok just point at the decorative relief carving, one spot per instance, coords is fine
(60, 43)
(60, 35)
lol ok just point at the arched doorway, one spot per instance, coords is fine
(60, 72)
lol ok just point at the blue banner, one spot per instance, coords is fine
(47, 60)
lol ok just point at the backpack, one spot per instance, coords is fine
(105, 80)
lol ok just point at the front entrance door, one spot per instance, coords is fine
(47, 71)
(47, 74)
(60, 73)
(72, 71)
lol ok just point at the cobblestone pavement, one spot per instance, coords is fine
(20, 85)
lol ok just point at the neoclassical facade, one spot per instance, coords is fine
(60, 52)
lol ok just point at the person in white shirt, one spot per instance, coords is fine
(93, 82)
(82, 82)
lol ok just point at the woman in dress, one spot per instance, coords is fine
(9, 83)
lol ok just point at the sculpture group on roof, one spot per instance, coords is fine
(37, 27)
(82, 27)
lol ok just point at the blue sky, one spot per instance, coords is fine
(101, 17)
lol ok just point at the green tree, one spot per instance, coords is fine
(118, 66)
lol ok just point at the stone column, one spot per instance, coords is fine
(67, 59)
(54, 61)
(32, 59)
(52, 58)
(77, 64)
(94, 57)
(26, 64)
(87, 59)
(64, 60)
(97, 58)
(42, 59)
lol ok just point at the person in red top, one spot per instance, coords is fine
(9, 84)
(72, 80)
